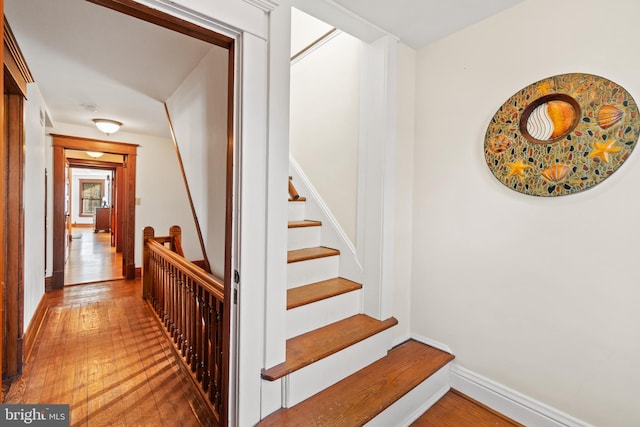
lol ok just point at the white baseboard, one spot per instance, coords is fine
(511, 403)
(432, 343)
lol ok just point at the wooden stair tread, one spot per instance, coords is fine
(304, 223)
(315, 345)
(310, 253)
(307, 294)
(299, 199)
(360, 397)
(457, 409)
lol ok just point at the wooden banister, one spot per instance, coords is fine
(293, 193)
(190, 304)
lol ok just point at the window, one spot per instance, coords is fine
(91, 194)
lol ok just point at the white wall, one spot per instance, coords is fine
(539, 294)
(325, 117)
(404, 195)
(305, 30)
(34, 198)
(198, 111)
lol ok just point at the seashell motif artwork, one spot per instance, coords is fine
(500, 143)
(555, 173)
(550, 120)
(562, 135)
(609, 115)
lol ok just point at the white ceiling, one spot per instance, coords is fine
(84, 55)
(420, 22)
(81, 54)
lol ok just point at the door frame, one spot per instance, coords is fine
(168, 21)
(127, 188)
(116, 194)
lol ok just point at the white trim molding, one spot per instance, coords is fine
(264, 5)
(191, 15)
(432, 343)
(509, 402)
(332, 233)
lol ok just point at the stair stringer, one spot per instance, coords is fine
(332, 233)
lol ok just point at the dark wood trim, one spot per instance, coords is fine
(91, 164)
(118, 177)
(59, 244)
(200, 263)
(32, 333)
(13, 49)
(229, 234)
(154, 16)
(128, 188)
(15, 64)
(125, 209)
(14, 286)
(89, 144)
(48, 283)
(4, 161)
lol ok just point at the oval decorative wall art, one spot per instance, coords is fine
(562, 135)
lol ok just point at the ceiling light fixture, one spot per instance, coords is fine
(95, 154)
(107, 126)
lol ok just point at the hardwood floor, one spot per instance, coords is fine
(91, 257)
(456, 409)
(102, 351)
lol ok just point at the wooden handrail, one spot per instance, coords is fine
(211, 283)
(293, 193)
(207, 265)
(189, 302)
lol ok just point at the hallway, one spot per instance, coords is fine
(101, 351)
(91, 257)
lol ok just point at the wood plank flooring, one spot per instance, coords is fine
(91, 258)
(102, 352)
(456, 409)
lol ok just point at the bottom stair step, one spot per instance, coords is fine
(360, 397)
(457, 409)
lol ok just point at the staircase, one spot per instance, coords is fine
(340, 367)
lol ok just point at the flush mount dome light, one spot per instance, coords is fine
(107, 126)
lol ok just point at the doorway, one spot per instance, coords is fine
(123, 219)
(91, 227)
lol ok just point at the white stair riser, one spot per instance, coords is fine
(311, 271)
(306, 382)
(271, 397)
(303, 237)
(321, 313)
(297, 211)
(409, 407)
